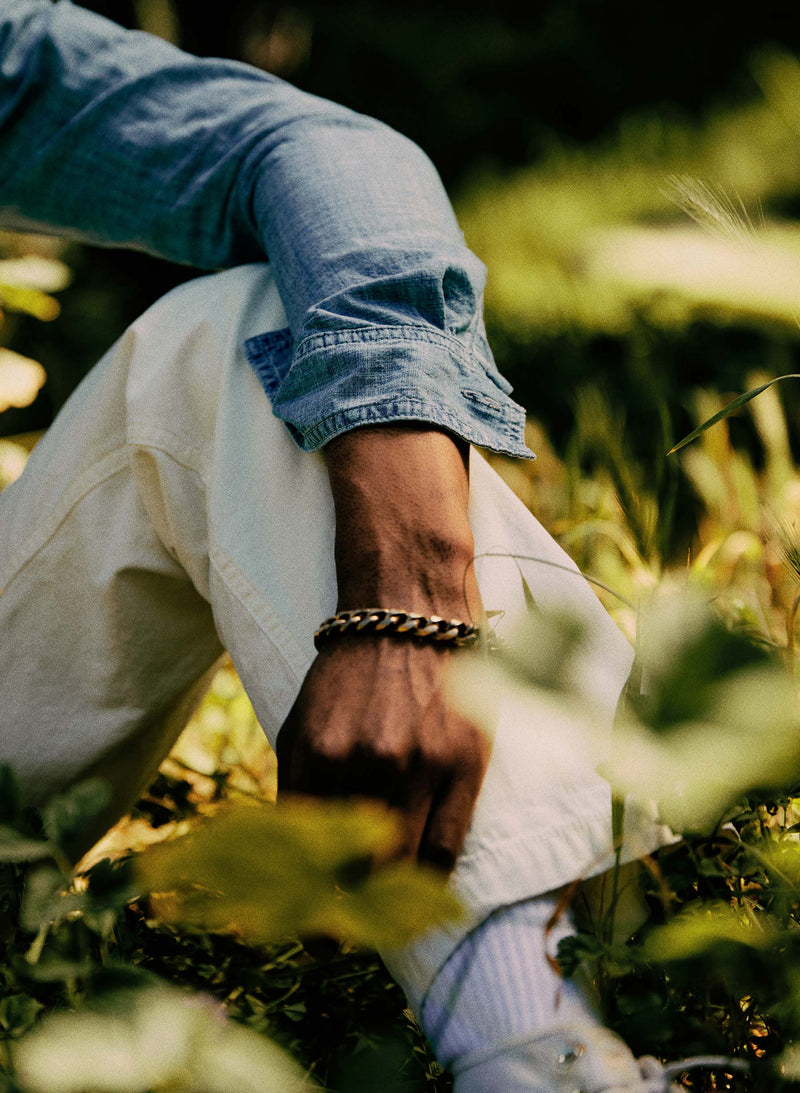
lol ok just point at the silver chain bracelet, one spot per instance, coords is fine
(381, 620)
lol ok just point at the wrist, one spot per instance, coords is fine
(431, 576)
(402, 535)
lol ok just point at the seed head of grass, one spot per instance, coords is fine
(713, 208)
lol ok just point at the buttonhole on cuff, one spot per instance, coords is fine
(482, 400)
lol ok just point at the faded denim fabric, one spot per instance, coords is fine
(119, 138)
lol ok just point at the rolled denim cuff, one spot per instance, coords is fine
(338, 380)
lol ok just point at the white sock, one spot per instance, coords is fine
(498, 984)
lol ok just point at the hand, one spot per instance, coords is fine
(371, 719)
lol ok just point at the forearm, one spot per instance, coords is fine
(402, 535)
(372, 718)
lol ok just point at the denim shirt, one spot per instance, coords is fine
(118, 138)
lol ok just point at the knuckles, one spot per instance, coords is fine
(432, 759)
(377, 730)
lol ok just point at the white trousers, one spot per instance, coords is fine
(167, 514)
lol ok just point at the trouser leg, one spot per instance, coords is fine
(167, 514)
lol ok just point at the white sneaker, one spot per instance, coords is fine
(574, 1058)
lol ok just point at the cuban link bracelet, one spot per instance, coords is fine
(384, 620)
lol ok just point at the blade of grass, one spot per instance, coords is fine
(555, 565)
(731, 408)
(530, 601)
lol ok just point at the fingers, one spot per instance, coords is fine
(284, 751)
(434, 800)
(434, 835)
(450, 816)
(414, 819)
(358, 772)
(408, 792)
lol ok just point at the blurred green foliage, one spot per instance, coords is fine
(83, 1008)
(303, 868)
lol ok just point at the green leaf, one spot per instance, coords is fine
(545, 648)
(687, 653)
(698, 929)
(18, 1013)
(21, 379)
(377, 1064)
(15, 847)
(155, 1038)
(731, 408)
(35, 271)
(56, 970)
(67, 815)
(270, 872)
(687, 742)
(393, 906)
(112, 885)
(31, 301)
(44, 901)
(574, 950)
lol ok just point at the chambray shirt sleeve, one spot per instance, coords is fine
(118, 138)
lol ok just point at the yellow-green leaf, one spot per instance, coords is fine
(20, 379)
(155, 1038)
(31, 301)
(698, 929)
(731, 408)
(35, 271)
(13, 458)
(268, 871)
